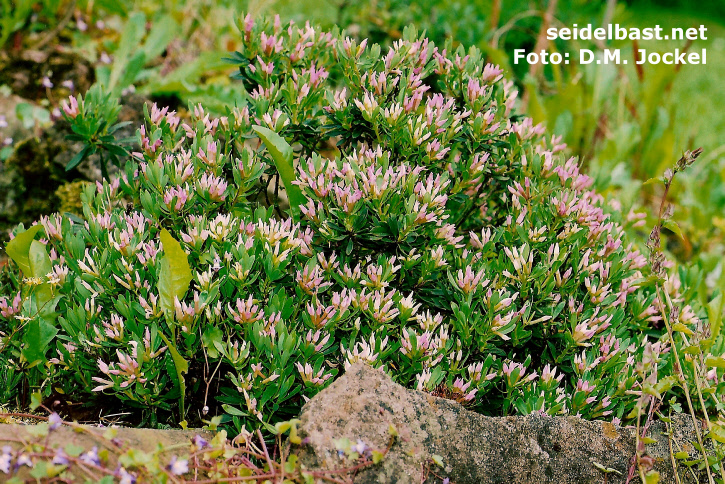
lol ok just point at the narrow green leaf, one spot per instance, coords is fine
(118, 126)
(233, 411)
(182, 367)
(76, 160)
(606, 470)
(283, 157)
(175, 273)
(18, 249)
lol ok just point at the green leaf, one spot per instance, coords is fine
(40, 265)
(211, 338)
(652, 477)
(40, 470)
(715, 361)
(291, 465)
(36, 400)
(182, 367)
(234, 411)
(162, 33)
(283, 157)
(175, 273)
(132, 70)
(131, 37)
(606, 470)
(672, 225)
(78, 158)
(37, 338)
(38, 259)
(682, 328)
(717, 433)
(118, 126)
(18, 249)
(692, 350)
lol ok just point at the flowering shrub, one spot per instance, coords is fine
(93, 122)
(385, 207)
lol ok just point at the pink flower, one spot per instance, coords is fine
(7, 311)
(71, 110)
(178, 194)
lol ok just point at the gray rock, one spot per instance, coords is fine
(474, 448)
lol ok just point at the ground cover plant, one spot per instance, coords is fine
(385, 205)
(625, 124)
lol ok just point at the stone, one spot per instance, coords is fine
(473, 448)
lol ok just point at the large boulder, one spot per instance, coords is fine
(473, 448)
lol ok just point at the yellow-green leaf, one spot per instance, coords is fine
(175, 273)
(18, 249)
(653, 181)
(40, 266)
(717, 433)
(715, 361)
(692, 350)
(682, 328)
(672, 225)
(652, 477)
